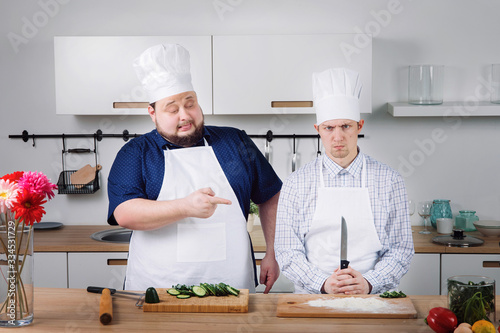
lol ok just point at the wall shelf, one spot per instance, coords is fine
(447, 109)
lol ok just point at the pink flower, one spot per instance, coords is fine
(37, 183)
(8, 193)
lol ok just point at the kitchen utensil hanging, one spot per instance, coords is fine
(65, 184)
(294, 156)
(318, 153)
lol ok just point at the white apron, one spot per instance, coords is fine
(322, 242)
(193, 250)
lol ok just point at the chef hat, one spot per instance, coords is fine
(336, 94)
(164, 71)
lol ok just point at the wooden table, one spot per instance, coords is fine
(75, 310)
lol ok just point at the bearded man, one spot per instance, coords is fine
(185, 189)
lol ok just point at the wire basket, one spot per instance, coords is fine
(64, 185)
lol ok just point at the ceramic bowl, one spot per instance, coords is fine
(488, 228)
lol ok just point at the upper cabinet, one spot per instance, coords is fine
(259, 74)
(272, 74)
(95, 76)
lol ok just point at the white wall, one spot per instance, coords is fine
(462, 35)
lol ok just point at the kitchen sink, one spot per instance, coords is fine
(121, 235)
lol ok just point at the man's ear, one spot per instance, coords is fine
(152, 113)
(361, 123)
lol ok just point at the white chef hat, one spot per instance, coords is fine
(164, 71)
(336, 94)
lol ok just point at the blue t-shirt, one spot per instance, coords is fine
(139, 167)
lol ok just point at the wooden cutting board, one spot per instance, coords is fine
(297, 305)
(169, 303)
(84, 175)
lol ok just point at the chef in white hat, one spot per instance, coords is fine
(185, 189)
(344, 182)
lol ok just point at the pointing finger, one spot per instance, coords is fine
(219, 201)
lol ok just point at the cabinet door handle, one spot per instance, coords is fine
(117, 262)
(130, 105)
(291, 104)
(491, 264)
(258, 262)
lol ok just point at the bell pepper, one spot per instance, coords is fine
(441, 320)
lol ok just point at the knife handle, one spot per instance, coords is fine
(344, 264)
(98, 290)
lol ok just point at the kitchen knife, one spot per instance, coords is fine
(294, 157)
(98, 290)
(343, 245)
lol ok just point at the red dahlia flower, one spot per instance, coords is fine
(28, 207)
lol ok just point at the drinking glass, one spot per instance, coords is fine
(424, 210)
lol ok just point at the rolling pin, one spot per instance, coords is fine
(105, 307)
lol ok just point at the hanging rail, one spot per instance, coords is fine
(125, 135)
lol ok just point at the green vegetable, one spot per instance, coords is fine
(393, 294)
(151, 296)
(173, 292)
(471, 301)
(199, 291)
(254, 209)
(204, 289)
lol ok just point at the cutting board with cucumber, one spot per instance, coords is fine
(202, 298)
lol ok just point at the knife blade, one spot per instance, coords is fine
(344, 263)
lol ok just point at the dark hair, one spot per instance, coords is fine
(152, 105)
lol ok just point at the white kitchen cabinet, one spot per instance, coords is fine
(282, 285)
(253, 73)
(51, 269)
(100, 269)
(469, 264)
(94, 75)
(423, 276)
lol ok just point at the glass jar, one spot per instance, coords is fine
(440, 208)
(465, 220)
(472, 298)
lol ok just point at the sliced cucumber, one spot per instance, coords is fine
(173, 291)
(232, 291)
(199, 291)
(183, 296)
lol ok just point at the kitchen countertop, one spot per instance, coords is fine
(75, 310)
(76, 238)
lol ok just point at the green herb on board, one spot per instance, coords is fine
(393, 294)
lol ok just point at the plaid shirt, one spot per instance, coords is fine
(297, 204)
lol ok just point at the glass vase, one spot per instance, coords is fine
(16, 280)
(465, 220)
(440, 209)
(472, 298)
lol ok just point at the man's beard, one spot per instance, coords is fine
(186, 141)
